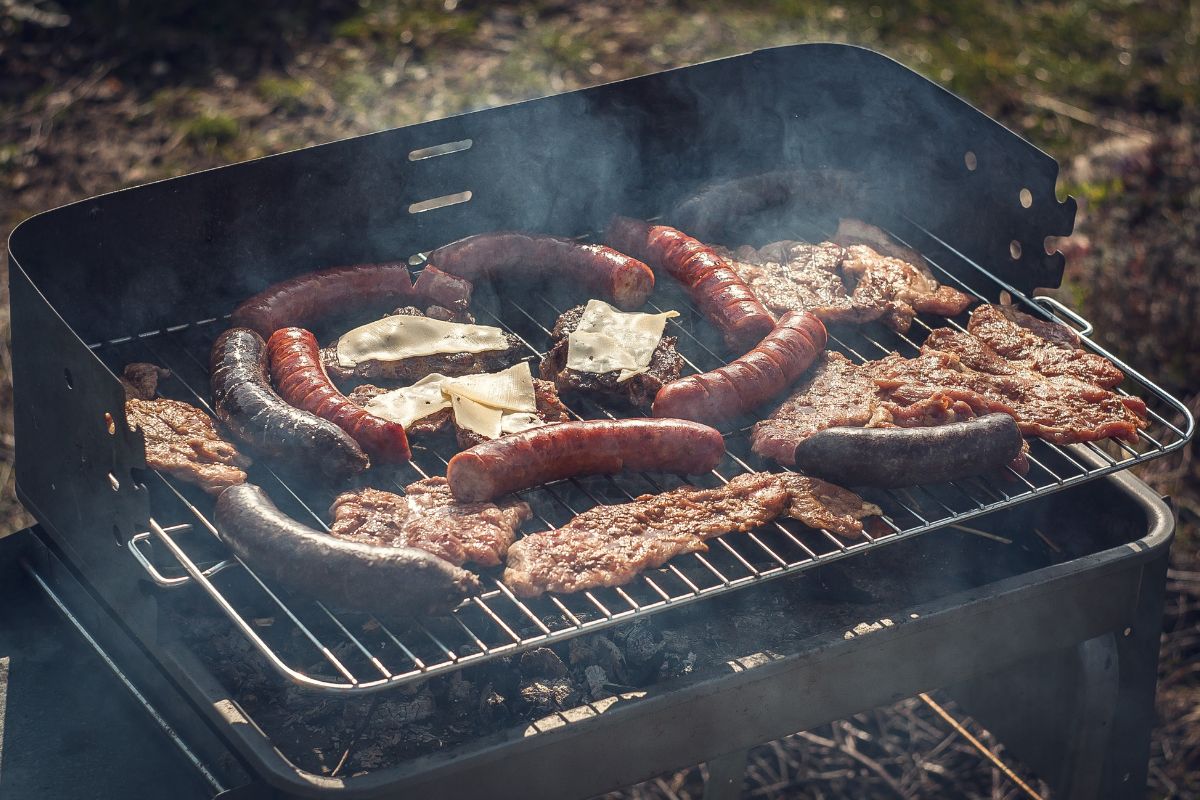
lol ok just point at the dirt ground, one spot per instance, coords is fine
(114, 94)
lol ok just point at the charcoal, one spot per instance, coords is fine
(542, 663)
(552, 694)
(596, 679)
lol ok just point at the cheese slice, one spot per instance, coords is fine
(510, 389)
(398, 337)
(411, 403)
(608, 340)
(484, 420)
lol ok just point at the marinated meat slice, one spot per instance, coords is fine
(855, 231)
(836, 392)
(141, 380)
(637, 392)
(182, 441)
(549, 409)
(1038, 346)
(797, 276)
(820, 504)
(609, 545)
(427, 517)
(417, 367)
(898, 288)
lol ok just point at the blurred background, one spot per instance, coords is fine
(97, 96)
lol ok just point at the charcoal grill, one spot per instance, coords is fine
(150, 274)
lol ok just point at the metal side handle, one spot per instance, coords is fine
(1056, 308)
(156, 576)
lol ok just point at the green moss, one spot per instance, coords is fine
(211, 128)
(285, 94)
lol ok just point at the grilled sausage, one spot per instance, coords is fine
(391, 582)
(601, 270)
(244, 400)
(909, 456)
(768, 369)
(720, 293)
(370, 288)
(564, 450)
(300, 378)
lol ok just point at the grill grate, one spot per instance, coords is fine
(350, 652)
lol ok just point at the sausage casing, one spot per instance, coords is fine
(890, 457)
(761, 374)
(300, 378)
(367, 289)
(601, 270)
(244, 400)
(723, 297)
(566, 449)
(390, 582)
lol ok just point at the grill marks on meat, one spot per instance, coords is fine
(794, 276)
(610, 545)
(957, 376)
(428, 518)
(898, 288)
(637, 392)
(181, 440)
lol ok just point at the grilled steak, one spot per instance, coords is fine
(411, 369)
(140, 380)
(637, 392)
(428, 518)
(609, 545)
(798, 276)
(182, 441)
(898, 288)
(549, 409)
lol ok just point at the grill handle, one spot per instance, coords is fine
(1061, 311)
(156, 576)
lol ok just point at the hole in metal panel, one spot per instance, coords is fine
(1014, 249)
(1026, 198)
(416, 259)
(69, 378)
(970, 160)
(117, 537)
(110, 424)
(116, 484)
(439, 202)
(446, 148)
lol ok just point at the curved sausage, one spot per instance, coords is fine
(909, 456)
(764, 372)
(566, 449)
(300, 378)
(244, 400)
(719, 292)
(391, 582)
(601, 270)
(372, 288)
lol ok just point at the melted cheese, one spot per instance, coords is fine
(490, 404)
(608, 340)
(398, 337)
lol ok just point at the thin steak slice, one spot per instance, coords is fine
(609, 545)
(820, 504)
(636, 392)
(181, 440)
(429, 518)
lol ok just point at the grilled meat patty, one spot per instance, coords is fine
(609, 545)
(428, 518)
(411, 369)
(636, 392)
(181, 440)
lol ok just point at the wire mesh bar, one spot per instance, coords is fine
(357, 653)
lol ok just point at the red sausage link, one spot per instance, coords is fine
(300, 378)
(566, 449)
(307, 299)
(721, 294)
(764, 372)
(601, 270)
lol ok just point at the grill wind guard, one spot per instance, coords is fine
(149, 274)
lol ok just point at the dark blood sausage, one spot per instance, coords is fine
(390, 582)
(909, 456)
(301, 379)
(307, 299)
(244, 400)
(602, 271)
(764, 372)
(719, 292)
(566, 449)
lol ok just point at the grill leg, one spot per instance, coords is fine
(1081, 717)
(725, 776)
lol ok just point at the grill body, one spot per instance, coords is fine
(162, 264)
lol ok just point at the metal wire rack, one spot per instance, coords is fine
(323, 649)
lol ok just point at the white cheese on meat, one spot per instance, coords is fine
(411, 403)
(608, 340)
(398, 337)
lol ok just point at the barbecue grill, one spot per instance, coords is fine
(151, 274)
